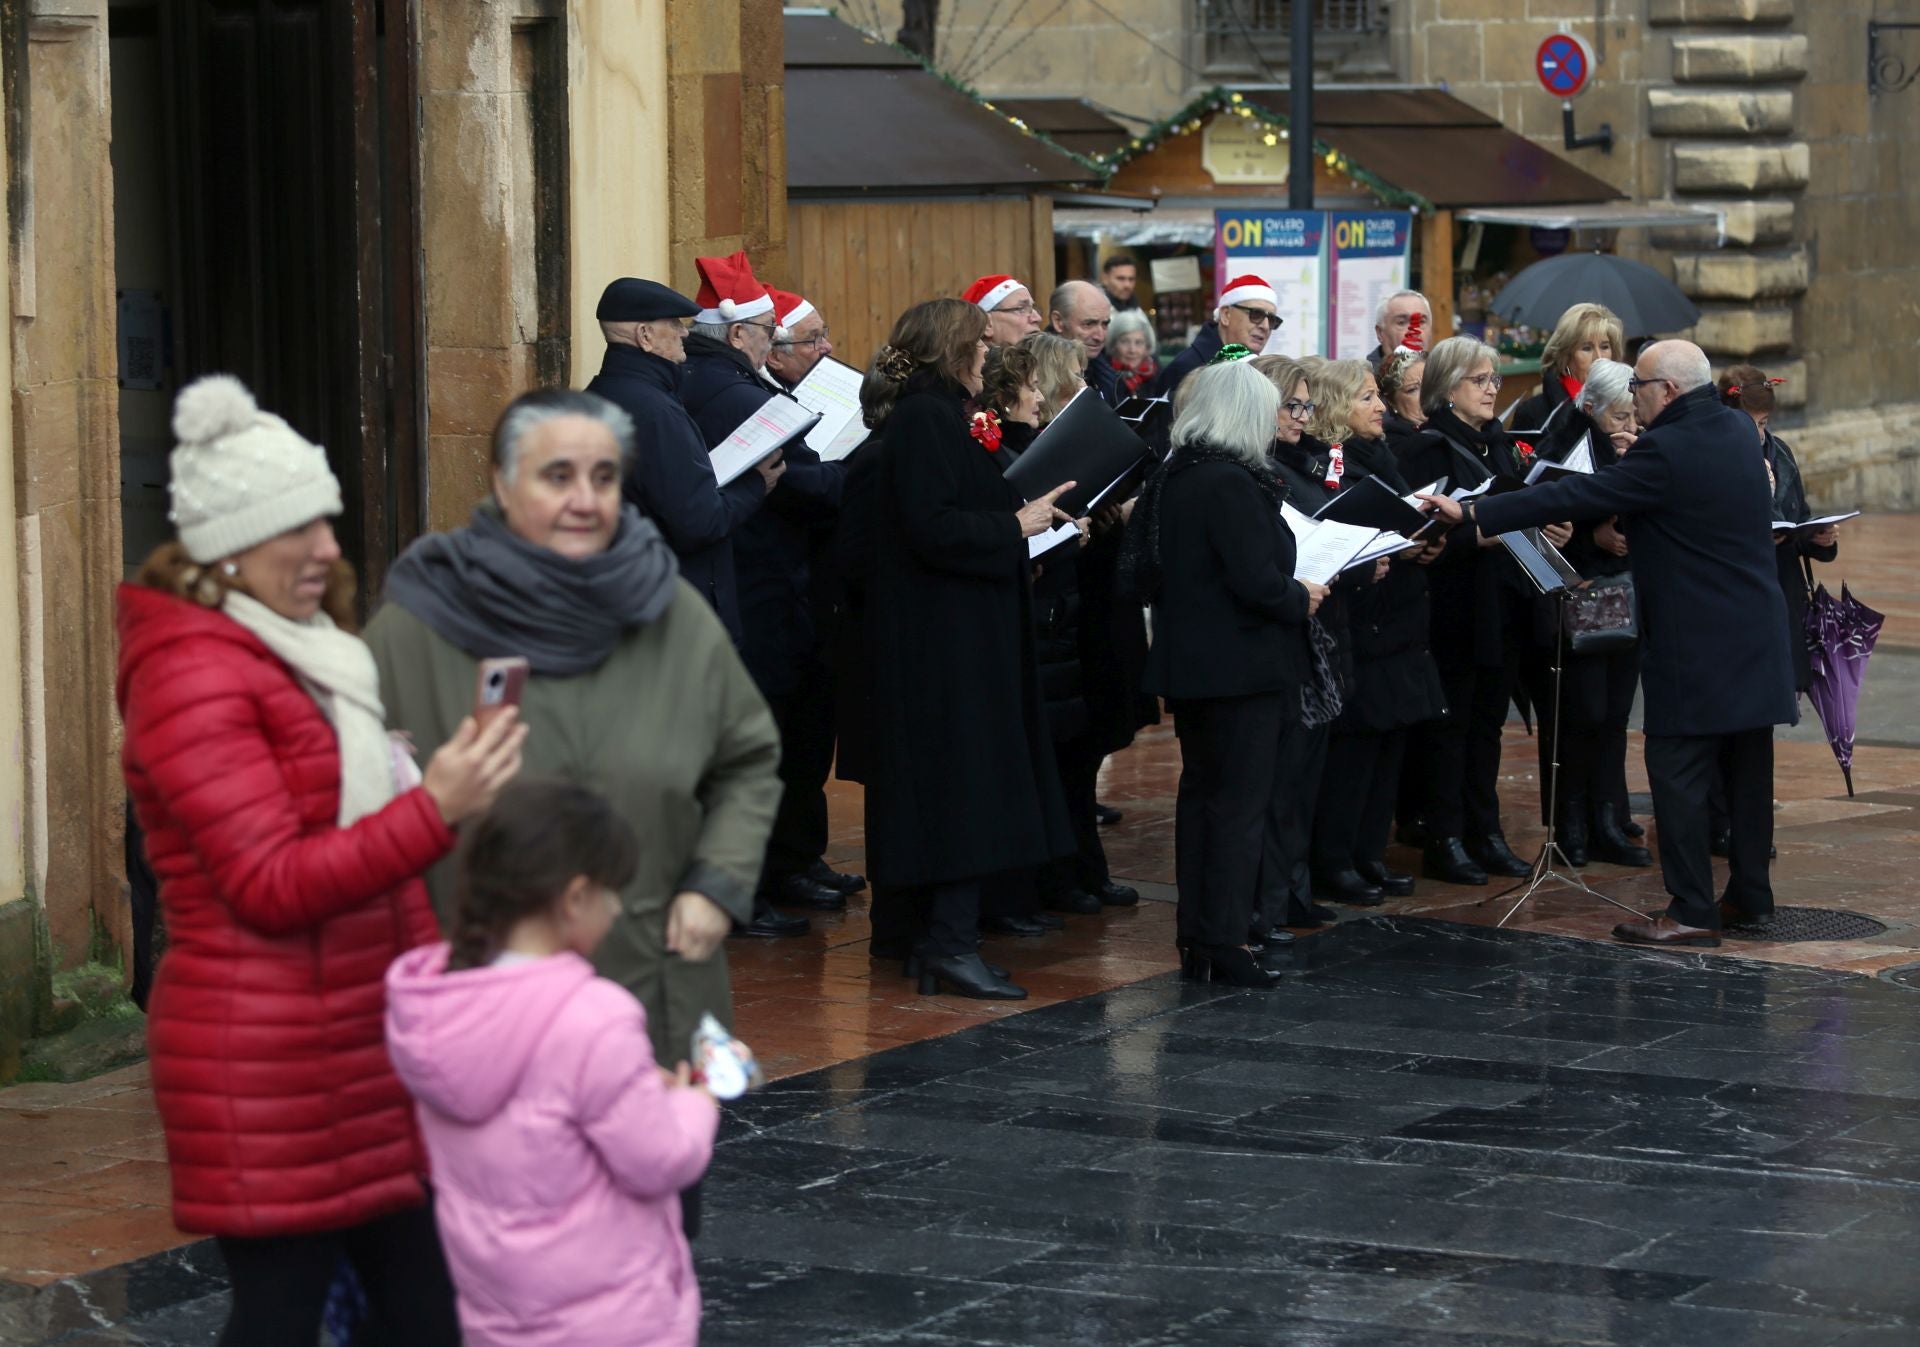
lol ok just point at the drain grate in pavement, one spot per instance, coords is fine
(1791, 925)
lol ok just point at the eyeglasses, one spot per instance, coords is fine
(1635, 385)
(1258, 317)
(1300, 411)
(814, 340)
(1021, 309)
(1490, 382)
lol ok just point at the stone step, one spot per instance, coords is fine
(1714, 112)
(1666, 13)
(1739, 58)
(1742, 168)
(1747, 224)
(1742, 275)
(1742, 332)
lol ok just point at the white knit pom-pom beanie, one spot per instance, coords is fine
(240, 475)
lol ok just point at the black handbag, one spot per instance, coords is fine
(1600, 616)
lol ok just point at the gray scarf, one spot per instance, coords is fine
(493, 594)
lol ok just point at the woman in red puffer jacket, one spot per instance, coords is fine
(289, 836)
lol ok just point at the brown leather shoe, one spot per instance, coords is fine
(1664, 930)
(1733, 916)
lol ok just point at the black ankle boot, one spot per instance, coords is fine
(1346, 886)
(1572, 832)
(967, 975)
(1496, 857)
(1446, 860)
(1390, 882)
(1612, 845)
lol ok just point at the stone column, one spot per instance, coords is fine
(1729, 117)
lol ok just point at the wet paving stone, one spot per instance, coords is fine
(1587, 1150)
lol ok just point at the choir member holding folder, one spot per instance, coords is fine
(1208, 549)
(1394, 684)
(1482, 618)
(962, 792)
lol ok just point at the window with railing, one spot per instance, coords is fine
(1238, 32)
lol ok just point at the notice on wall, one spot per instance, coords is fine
(1367, 261)
(1174, 275)
(1288, 250)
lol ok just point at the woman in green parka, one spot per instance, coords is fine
(636, 692)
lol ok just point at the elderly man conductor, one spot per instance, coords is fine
(1694, 502)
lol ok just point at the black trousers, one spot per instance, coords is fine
(1079, 762)
(1461, 766)
(280, 1284)
(1229, 747)
(950, 918)
(1680, 768)
(805, 718)
(1286, 870)
(1359, 789)
(1596, 701)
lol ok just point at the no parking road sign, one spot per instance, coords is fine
(1564, 64)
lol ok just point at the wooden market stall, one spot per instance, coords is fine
(901, 187)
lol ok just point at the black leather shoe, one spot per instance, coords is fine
(1345, 886)
(966, 975)
(768, 924)
(1446, 860)
(1721, 843)
(1572, 832)
(1390, 882)
(1612, 845)
(1631, 828)
(1495, 857)
(1049, 921)
(1275, 936)
(913, 966)
(1412, 832)
(1106, 815)
(800, 891)
(1113, 894)
(1226, 963)
(847, 883)
(1076, 901)
(1021, 926)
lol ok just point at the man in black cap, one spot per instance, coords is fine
(671, 478)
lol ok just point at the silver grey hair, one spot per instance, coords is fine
(1380, 314)
(529, 411)
(1605, 388)
(1127, 322)
(1448, 363)
(717, 331)
(1232, 407)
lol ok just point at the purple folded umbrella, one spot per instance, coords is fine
(1840, 635)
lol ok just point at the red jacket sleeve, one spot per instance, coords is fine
(197, 727)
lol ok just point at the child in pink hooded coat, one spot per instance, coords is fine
(559, 1147)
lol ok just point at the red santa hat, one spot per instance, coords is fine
(989, 292)
(789, 309)
(1415, 340)
(1241, 289)
(728, 291)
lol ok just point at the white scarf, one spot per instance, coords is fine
(338, 672)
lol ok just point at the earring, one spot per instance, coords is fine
(229, 569)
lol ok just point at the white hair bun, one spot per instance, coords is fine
(210, 408)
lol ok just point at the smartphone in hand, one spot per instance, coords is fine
(500, 683)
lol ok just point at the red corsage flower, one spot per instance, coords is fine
(985, 428)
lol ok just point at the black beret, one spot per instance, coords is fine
(634, 301)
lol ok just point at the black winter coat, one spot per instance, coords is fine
(1395, 682)
(1569, 427)
(1229, 619)
(1692, 497)
(772, 548)
(1206, 345)
(1104, 380)
(1552, 404)
(851, 556)
(1479, 596)
(1790, 504)
(1056, 616)
(671, 478)
(962, 781)
(1302, 468)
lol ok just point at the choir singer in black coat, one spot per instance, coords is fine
(1694, 500)
(1209, 550)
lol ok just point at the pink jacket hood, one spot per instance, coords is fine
(462, 1041)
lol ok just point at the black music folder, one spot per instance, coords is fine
(1086, 444)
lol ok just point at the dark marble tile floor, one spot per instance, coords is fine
(1429, 1134)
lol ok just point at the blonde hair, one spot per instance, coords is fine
(1582, 322)
(1335, 386)
(1284, 372)
(1058, 361)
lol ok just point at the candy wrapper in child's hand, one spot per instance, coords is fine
(722, 1063)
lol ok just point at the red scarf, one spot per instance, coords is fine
(1134, 377)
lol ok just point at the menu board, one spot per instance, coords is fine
(1367, 261)
(1288, 250)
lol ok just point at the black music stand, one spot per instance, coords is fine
(1552, 576)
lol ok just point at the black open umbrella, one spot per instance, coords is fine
(1646, 302)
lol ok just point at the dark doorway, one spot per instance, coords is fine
(291, 206)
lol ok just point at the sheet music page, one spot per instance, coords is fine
(1466, 493)
(1383, 546)
(1581, 459)
(777, 421)
(833, 390)
(1812, 525)
(1052, 538)
(1323, 548)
